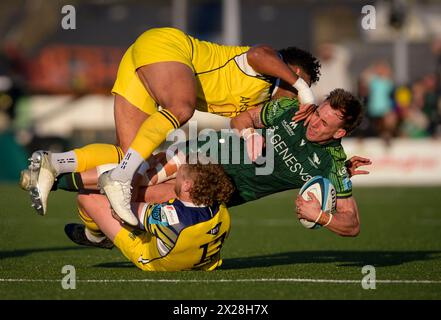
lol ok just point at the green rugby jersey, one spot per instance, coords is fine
(296, 160)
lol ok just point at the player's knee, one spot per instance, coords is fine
(86, 200)
(182, 111)
(82, 201)
(124, 144)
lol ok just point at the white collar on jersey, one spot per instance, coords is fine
(191, 204)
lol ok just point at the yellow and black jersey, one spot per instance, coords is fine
(178, 236)
(226, 84)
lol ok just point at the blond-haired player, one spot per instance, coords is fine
(181, 234)
(179, 73)
(162, 79)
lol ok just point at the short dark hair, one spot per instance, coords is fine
(304, 60)
(349, 106)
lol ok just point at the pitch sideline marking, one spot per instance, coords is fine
(298, 280)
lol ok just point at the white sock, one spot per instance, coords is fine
(64, 162)
(128, 166)
(92, 237)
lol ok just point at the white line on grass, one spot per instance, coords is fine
(298, 280)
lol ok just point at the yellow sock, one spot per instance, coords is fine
(96, 154)
(90, 224)
(153, 132)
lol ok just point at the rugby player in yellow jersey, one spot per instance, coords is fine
(181, 234)
(300, 153)
(168, 68)
(181, 73)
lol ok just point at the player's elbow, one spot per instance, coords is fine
(348, 228)
(258, 53)
(352, 231)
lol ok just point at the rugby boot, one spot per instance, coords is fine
(77, 233)
(119, 194)
(39, 179)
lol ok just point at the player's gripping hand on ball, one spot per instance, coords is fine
(311, 210)
(308, 209)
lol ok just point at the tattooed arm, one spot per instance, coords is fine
(248, 119)
(245, 123)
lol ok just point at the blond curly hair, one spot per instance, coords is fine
(211, 185)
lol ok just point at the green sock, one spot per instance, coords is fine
(69, 182)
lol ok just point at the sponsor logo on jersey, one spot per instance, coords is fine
(158, 216)
(274, 109)
(215, 230)
(163, 217)
(168, 212)
(315, 160)
(288, 158)
(288, 128)
(302, 143)
(293, 125)
(347, 183)
(333, 197)
(342, 171)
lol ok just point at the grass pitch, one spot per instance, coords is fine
(268, 255)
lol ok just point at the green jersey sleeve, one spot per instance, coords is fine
(339, 175)
(273, 109)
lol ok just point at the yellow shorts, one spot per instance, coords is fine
(140, 247)
(154, 45)
(134, 244)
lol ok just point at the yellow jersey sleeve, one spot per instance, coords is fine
(227, 85)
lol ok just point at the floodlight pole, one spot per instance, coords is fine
(398, 19)
(231, 22)
(179, 14)
(401, 63)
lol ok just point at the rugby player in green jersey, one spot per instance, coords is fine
(301, 152)
(298, 153)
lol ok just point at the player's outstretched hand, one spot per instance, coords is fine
(304, 113)
(354, 162)
(308, 209)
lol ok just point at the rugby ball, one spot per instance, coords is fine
(325, 193)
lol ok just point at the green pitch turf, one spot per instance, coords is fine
(269, 255)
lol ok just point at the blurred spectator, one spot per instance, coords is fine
(380, 107)
(11, 87)
(414, 121)
(430, 104)
(365, 127)
(403, 100)
(436, 49)
(335, 61)
(13, 156)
